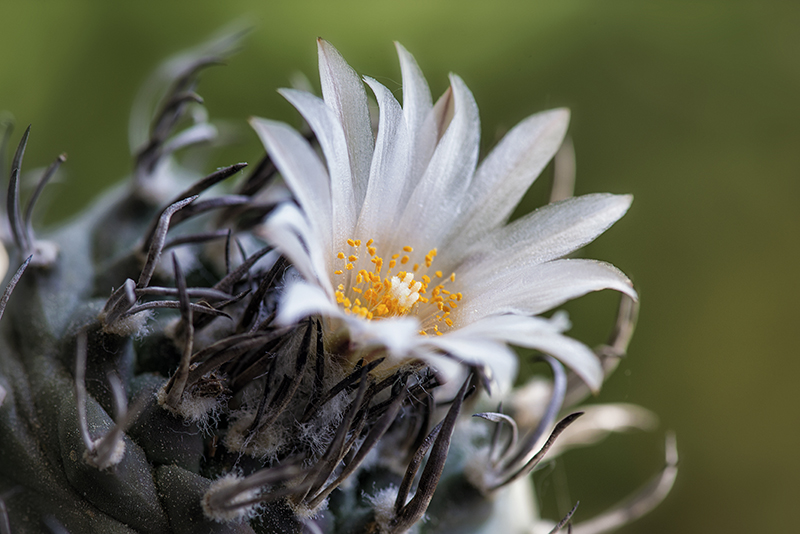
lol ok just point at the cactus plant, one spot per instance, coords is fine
(189, 357)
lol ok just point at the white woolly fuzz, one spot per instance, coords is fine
(45, 254)
(302, 511)
(382, 504)
(116, 455)
(194, 408)
(223, 510)
(132, 325)
(264, 445)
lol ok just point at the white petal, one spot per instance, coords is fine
(302, 170)
(442, 113)
(548, 233)
(331, 138)
(435, 200)
(508, 171)
(482, 351)
(287, 229)
(390, 165)
(544, 335)
(417, 106)
(344, 93)
(399, 335)
(534, 289)
(301, 300)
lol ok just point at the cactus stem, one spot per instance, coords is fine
(108, 450)
(193, 292)
(194, 191)
(359, 371)
(565, 520)
(43, 181)
(159, 237)
(177, 383)
(234, 497)
(409, 513)
(12, 284)
(337, 447)
(496, 417)
(267, 283)
(14, 214)
(547, 420)
(202, 237)
(226, 284)
(375, 434)
(180, 97)
(533, 462)
(286, 391)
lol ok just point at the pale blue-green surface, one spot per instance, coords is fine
(692, 108)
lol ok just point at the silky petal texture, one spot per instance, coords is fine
(301, 300)
(302, 171)
(442, 113)
(331, 138)
(417, 107)
(435, 201)
(550, 232)
(507, 173)
(541, 334)
(288, 231)
(482, 351)
(398, 334)
(344, 93)
(417, 185)
(531, 290)
(389, 168)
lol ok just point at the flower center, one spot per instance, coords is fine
(368, 291)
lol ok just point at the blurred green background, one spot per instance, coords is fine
(692, 107)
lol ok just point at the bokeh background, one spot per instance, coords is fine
(692, 107)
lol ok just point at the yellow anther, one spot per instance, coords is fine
(398, 294)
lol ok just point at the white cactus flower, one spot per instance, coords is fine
(402, 241)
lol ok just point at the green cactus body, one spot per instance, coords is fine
(148, 386)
